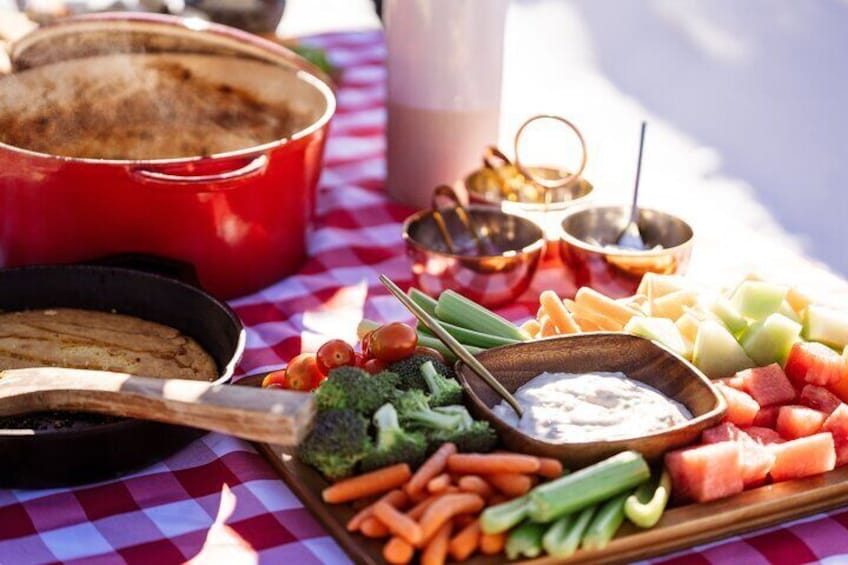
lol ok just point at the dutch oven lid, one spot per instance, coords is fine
(119, 32)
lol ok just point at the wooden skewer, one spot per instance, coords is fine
(457, 348)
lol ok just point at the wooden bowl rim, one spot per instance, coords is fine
(713, 415)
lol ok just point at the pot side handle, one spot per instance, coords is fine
(211, 182)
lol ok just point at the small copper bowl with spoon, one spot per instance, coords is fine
(485, 254)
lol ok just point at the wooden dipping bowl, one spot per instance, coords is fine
(636, 357)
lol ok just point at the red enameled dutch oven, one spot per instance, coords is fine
(240, 217)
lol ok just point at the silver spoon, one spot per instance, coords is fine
(631, 237)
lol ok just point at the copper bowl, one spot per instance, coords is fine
(590, 261)
(638, 358)
(490, 280)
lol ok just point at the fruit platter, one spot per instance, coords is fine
(400, 465)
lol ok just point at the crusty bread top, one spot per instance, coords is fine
(88, 339)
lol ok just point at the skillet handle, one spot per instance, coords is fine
(265, 415)
(213, 182)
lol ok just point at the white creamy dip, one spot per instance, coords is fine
(567, 407)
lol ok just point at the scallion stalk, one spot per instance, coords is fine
(460, 311)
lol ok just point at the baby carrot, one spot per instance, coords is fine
(479, 463)
(418, 510)
(465, 542)
(475, 484)
(511, 484)
(396, 498)
(491, 544)
(438, 483)
(373, 528)
(445, 508)
(601, 321)
(375, 482)
(462, 520)
(548, 328)
(556, 311)
(436, 550)
(398, 523)
(397, 551)
(605, 305)
(431, 468)
(549, 468)
(532, 327)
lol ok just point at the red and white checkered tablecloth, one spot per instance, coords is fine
(218, 500)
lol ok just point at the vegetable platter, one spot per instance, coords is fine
(418, 480)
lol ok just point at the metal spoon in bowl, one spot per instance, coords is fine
(631, 237)
(457, 348)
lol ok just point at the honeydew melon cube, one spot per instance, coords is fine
(757, 299)
(828, 326)
(688, 325)
(728, 314)
(717, 353)
(769, 341)
(657, 329)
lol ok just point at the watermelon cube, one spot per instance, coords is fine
(819, 398)
(803, 457)
(798, 421)
(706, 472)
(741, 408)
(814, 363)
(768, 385)
(763, 436)
(837, 425)
(754, 459)
(767, 417)
(735, 381)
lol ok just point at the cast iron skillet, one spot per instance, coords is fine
(90, 448)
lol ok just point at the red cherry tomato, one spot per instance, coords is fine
(275, 379)
(335, 353)
(359, 360)
(303, 373)
(392, 342)
(436, 354)
(364, 345)
(374, 366)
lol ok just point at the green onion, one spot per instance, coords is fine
(426, 303)
(525, 540)
(645, 506)
(587, 486)
(501, 517)
(606, 522)
(471, 337)
(563, 538)
(460, 311)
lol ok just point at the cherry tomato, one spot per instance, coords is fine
(275, 379)
(374, 366)
(303, 373)
(359, 360)
(335, 353)
(429, 351)
(364, 344)
(392, 342)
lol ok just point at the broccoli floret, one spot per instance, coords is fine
(336, 444)
(443, 391)
(415, 413)
(462, 411)
(479, 437)
(409, 371)
(394, 444)
(349, 387)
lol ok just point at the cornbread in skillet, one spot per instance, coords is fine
(87, 339)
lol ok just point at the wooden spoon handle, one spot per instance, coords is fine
(270, 416)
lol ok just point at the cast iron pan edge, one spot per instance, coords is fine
(64, 457)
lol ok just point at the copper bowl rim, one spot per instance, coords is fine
(567, 238)
(714, 414)
(556, 206)
(536, 247)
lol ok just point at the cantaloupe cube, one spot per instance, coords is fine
(673, 305)
(803, 457)
(798, 421)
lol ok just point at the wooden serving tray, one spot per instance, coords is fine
(680, 527)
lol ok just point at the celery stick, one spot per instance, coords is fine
(587, 486)
(501, 517)
(563, 538)
(525, 540)
(427, 303)
(458, 310)
(471, 337)
(645, 507)
(436, 343)
(605, 523)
